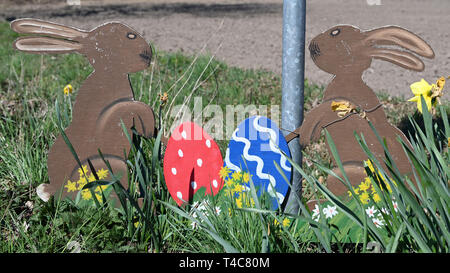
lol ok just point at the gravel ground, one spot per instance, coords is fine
(248, 33)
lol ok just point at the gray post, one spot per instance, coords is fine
(294, 13)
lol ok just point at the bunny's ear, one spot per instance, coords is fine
(400, 58)
(45, 45)
(393, 35)
(34, 26)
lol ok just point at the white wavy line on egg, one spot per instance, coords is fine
(273, 137)
(258, 160)
(228, 163)
(280, 198)
(273, 192)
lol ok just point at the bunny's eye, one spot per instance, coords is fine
(335, 32)
(131, 36)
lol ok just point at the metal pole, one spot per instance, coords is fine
(294, 13)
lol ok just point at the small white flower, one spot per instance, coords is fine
(395, 206)
(217, 210)
(316, 213)
(330, 211)
(316, 210)
(203, 206)
(194, 225)
(377, 222)
(370, 211)
(194, 214)
(333, 211)
(385, 211)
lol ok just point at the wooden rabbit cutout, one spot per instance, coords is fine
(103, 100)
(346, 52)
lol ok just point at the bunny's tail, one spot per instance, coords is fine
(44, 191)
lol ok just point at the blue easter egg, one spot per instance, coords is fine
(255, 146)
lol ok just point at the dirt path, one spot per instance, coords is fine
(247, 33)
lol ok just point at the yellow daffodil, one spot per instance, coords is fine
(91, 178)
(364, 186)
(430, 92)
(101, 188)
(243, 198)
(356, 190)
(84, 178)
(364, 197)
(246, 177)
(342, 107)
(369, 164)
(374, 190)
(422, 88)
(229, 183)
(376, 197)
(440, 83)
(86, 194)
(436, 91)
(238, 188)
(250, 202)
(102, 173)
(71, 186)
(82, 171)
(239, 202)
(68, 89)
(366, 189)
(236, 176)
(81, 182)
(285, 222)
(224, 172)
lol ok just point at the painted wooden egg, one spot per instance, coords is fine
(192, 160)
(260, 142)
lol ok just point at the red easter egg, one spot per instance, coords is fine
(192, 160)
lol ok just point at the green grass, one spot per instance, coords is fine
(29, 87)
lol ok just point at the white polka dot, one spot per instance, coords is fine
(194, 185)
(174, 171)
(208, 143)
(179, 195)
(215, 183)
(199, 162)
(180, 153)
(183, 134)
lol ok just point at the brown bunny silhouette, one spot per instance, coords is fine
(104, 99)
(345, 51)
